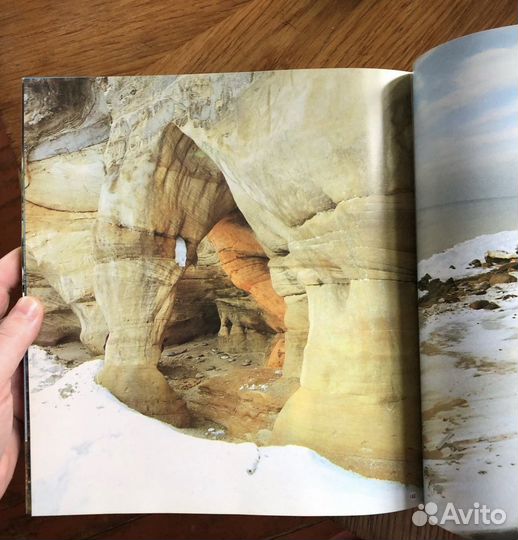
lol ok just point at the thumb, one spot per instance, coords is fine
(17, 331)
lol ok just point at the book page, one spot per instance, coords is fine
(466, 151)
(228, 267)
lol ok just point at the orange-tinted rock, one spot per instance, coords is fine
(276, 358)
(245, 261)
(245, 401)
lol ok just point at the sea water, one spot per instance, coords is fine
(442, 227)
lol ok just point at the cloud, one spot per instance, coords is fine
(472, 149)
(490, 116)
(465, 141)
(477, 76)
(466, 120)
(487, 71)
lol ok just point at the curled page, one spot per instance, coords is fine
(466, 152)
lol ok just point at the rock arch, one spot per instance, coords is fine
(181, 196)
(332, 208)
(319, 164)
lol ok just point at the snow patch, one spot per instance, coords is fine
(92, 454)
(44, 369)
(460, 255)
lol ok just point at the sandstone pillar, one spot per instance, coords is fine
(93, 326)
(359, 370)
(162, 197)
(136, 296)
(297, 327)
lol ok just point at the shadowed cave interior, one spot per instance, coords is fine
(219, 343)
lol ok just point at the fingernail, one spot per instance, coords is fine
(28, 307)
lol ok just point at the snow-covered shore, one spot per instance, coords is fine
(460, 255)
(469, 364)
(92, 454)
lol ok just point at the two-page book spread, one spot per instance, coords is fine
(240, 316)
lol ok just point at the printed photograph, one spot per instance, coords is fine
(227, 264)
(466, 141)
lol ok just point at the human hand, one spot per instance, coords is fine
(17, 331)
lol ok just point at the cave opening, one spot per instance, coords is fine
(223, 352)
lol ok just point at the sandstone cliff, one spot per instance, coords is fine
(303, 183)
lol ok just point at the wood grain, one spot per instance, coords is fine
(44, 38)
(10, 210)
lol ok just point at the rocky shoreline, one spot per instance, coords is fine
(499, 266)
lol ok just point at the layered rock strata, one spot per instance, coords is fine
(69, 147)
(319, 163)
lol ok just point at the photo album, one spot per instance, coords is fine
(281, 293)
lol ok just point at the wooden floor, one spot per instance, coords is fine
(126, 37)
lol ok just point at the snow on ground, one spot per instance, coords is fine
(469, 366)
(92, 454)
(460, 255)
(44, 371)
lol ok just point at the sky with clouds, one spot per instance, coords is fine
(466, 119)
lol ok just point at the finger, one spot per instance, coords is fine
(10, 269)
(4, 301)
(6, 415)
(18, 393)
(9, 277)
(17, 331)
(9, 458)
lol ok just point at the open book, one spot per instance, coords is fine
(232, 285)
